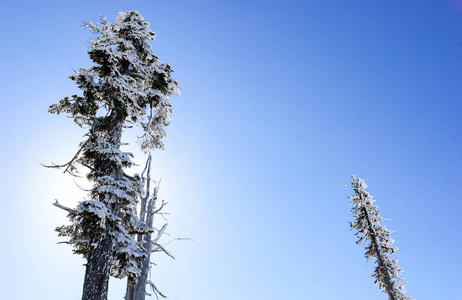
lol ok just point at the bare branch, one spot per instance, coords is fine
(69, 165)
(161, 231)
(73, 242)
(147, 183)
(159, 246)
(64, 207)
(66, 242)
(148, 165)
(177, 239)
(96, 171)
(154, 288)
(163, 217)
(160, 208)
(55, 166)
(85, 190)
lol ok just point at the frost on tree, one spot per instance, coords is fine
(378, 241)
(126, 86)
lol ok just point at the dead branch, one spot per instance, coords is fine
(147, 182)
(92, 169)
(161, 231)
(154, 288)
(71, 210)
(159, 246)
(55, 166)
(148, 165)
(65, 242)
(69, 164)
(73, 242)
(177, 239)
(85, 190)
(160, 208)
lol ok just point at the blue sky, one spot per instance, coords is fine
(281, 102)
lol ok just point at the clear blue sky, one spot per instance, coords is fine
(281, 102)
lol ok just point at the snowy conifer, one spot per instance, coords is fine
(126, 85)
(378, 241)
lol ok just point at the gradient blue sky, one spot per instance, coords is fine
(281, 102)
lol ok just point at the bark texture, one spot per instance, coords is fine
(97, 271)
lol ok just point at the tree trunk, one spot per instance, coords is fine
(98, 267)
(140, 287)
(129, 294)
(95, 286)
(390, 291)
(138, 291)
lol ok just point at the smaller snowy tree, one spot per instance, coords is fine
(378, 241)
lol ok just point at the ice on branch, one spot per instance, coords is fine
(377, 240)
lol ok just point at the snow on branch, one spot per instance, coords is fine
(378, 241)
(64, 207)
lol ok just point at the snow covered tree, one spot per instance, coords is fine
(378, 241)
(127, 85)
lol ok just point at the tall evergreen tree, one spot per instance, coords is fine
(126, 86)
(378, 241)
